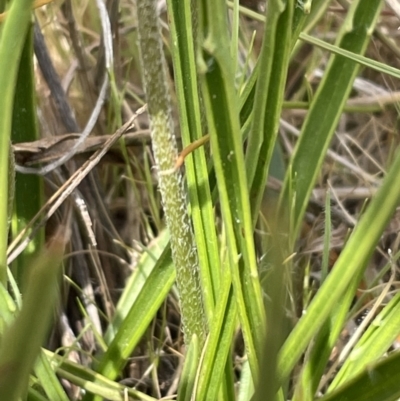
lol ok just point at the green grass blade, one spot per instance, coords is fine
(321, 347)
(276, 301)
(183, 19)
(358, 58)
(184, 39)
(188, 376)
(218, 343)
(24, 129)
(152, 294)
(326, 108)
(304, 22)
(305, 160)
(48, 379)
(222, 110)
(376, 383)
(135, 283)
(327, 237)
(351, 263)
(34, 395)
(12, 39)
(92, 382)
(268, 97)
(21, 341)
(299, 18)
(246, 389)
(373, 344)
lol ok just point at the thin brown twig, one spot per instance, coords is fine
(48, 149)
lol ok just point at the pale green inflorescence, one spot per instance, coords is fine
(178, 222)
(171, 183)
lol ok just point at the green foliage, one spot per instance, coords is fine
(232, 240)
(21, 340)
(24, 129)
(12, 39)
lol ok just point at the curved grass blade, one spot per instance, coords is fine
(321, 347)
(218, 344)
(268, 98)
(276, 301)
(132, 328)
(350, 264)
(326, 108)
(188, 376)
(183, 23)
(12, 38)
(21, 341)
(24, 129)
(183, 17)
(135, 283)
(373, 344)
(92, 382)
(222, 110)
(48, 379)
(358, 58)
(378, 382)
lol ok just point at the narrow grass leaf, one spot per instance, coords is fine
(222, 106)
(48, 380)
(377, 339)
(350, 264)
(132, 328)
(8, 309)
(12, 38)
(358, 58)
(34, 395)
(327, 237)
(134, 285)
(21, 341)
(377, 382)
(276, 301)
(24, 129)
(326, 108)
(246, 389)
(91, 382)
(305, 22)
(268, 98)
(320, 348)
(184, 31)
(188, 376)
(184, 21)
(218, 343)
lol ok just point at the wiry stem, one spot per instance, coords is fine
(170, 180)
(11, 183)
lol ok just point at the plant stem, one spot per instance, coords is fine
(171, 183)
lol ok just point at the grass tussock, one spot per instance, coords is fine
(264, 266)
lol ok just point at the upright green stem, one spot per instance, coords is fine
(11, 184)
(12, 39)
(171, 184)
(24, 129)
